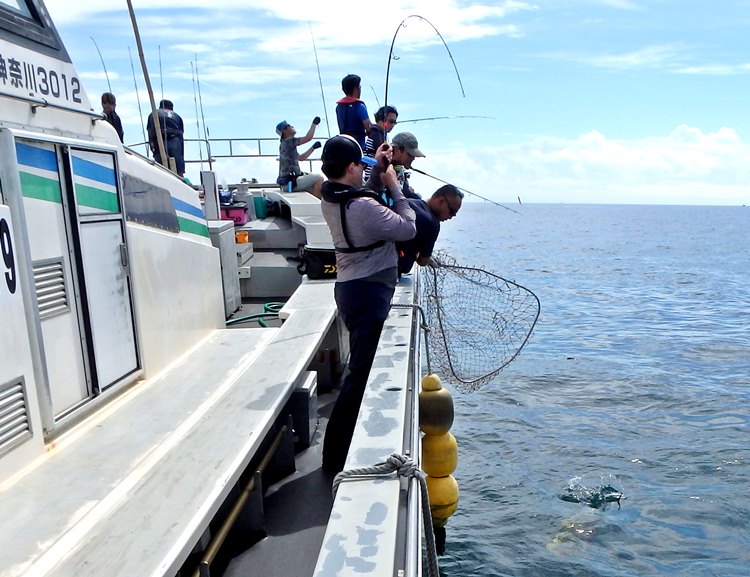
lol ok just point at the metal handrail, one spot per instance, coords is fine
(232, 143)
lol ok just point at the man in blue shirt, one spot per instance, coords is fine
(351, 112)
(443, 205)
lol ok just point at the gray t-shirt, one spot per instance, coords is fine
(367, 222)
(288, 156)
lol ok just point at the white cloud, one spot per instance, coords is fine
(685, 167)
(715, 69)
(655, 56)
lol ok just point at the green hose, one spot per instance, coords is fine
(270, 311)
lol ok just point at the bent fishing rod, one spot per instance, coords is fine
(422, 172)
(392, 57)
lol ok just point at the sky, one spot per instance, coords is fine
(579, 101)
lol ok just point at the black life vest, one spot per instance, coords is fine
(344, 195)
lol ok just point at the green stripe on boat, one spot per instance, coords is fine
(97, 198)
(33, 186)
(187, 225)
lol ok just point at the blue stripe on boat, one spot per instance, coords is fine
(93, 171)
(36, 157)
(187, 208)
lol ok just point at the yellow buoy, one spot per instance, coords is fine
(439, 454)
(431, 382)
(443, 496)
(435, 406)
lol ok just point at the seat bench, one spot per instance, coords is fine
(131, 490)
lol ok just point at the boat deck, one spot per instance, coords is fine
(164, 456)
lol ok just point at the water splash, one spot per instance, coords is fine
(595, 497)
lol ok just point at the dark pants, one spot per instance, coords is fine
(175, 148)
(363, 306)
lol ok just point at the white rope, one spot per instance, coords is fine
(404, 467)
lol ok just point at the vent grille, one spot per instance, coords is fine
(51, 294)
(15, 426)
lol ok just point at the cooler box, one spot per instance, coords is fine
(237, 212)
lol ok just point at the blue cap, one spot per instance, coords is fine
(281, 126)
(368, 160)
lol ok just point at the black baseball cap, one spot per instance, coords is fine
(340, 151)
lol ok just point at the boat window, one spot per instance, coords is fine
(148, 204)
(18, 6)
(29, 19)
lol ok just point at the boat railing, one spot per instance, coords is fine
(224, 148)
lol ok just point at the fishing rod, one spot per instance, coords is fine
(161, 76)
(203, 117)
(320, 80)
(391, 57)
(138, 99)
(197, 120)
(444, 118)
(375, 94)
(422, 172)
(106, 75)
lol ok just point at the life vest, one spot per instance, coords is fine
(344, 196)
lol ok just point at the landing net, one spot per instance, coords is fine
(478, 321)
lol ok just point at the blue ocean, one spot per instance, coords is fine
(637, 376)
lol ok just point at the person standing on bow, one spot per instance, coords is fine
(405, 149)
(172, 130)
(443, 205)
(364, 231)
(385, 119)
(351, 112)
(109, 102)
(291, 178)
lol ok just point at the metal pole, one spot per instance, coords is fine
(154, 113)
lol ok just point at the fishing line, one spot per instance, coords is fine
(464, 189)
(320, 79)
(391, 57)
(197, 119)
(106, 75)
(138, 99)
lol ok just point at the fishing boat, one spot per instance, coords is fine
(140, 432)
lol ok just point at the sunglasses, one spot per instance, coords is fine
(453, 212)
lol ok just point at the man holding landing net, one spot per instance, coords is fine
(443, 205)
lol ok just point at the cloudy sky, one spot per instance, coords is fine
(597, 101)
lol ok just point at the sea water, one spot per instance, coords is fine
(637, 376)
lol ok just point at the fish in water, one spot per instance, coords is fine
(596, 498)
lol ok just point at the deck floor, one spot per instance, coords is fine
(296, 510)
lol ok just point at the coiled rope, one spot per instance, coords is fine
(403, 467)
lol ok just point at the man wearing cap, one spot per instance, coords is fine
(405, 150)
(364, 231)
(291, 178)
(172, 129)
